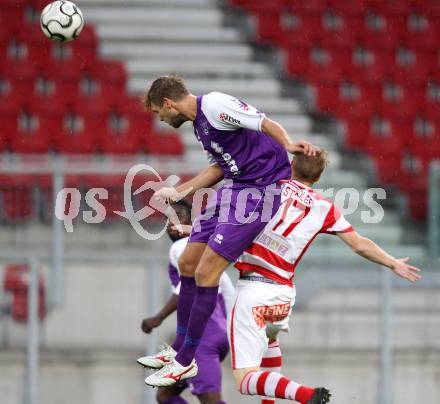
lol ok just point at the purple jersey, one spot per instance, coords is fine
(230, 132)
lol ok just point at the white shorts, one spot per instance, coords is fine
(256, 305)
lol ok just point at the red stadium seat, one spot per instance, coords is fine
(339, 30)
(369, 66)
(347, 99)
(80, 132)
(164, 143)
(17, 197)
(114, 184)
(326, 65)
(414, 65)
(398, 101)
(31, 133)
(311, 6)
(299, 29)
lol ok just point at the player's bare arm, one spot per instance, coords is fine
(205, 179)
(276, 131)
(372, 252)
(148, 324)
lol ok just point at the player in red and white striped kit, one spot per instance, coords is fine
(266, 293)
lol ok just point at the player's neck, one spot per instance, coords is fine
(309, 184)
(188, 107)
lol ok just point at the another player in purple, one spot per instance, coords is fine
(244, 147)
(214, 347)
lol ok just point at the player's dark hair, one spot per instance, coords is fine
(186, 208)
(309, 168)
(171, 86)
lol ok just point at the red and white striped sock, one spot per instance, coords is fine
(271, 362)
(274, 384)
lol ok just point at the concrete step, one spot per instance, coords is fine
(242, 89)
(170, 4)
(336, 253)
(153, 17)
(136, 33)
(335, 329)
(348, 299)
(207, 68)
(176, 51)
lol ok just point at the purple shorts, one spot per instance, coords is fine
(233, 219)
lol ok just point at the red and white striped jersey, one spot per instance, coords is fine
(302, 215)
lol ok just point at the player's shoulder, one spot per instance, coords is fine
(215, 100)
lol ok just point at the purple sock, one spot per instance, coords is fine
(186, 298)
(220, 402)
(175, 400)
(202, 309)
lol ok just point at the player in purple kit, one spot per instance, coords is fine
(244, 147)
(214, 347)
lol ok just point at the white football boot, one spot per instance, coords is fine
(171, 374)
(159, 360)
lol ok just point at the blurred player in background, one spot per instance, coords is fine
(214, 346)
(243, 146)
(265, 290)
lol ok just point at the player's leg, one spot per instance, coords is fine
(171, 395)
(236, 228)
(271, 362)
(248, 342)
(208, 272)
(210, 398)
(207, 385)
(188, 262)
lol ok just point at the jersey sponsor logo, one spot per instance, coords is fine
(233, 168)
(218, 238)
(242, 105)
(273, 244)
(216, 147)
(272, 314)
(224, 117)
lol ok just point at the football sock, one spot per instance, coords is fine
(202, 309)
(274, 384)
(186, 299)
(271, 362)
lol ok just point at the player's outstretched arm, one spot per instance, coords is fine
(372, 252)
(148, 324)
(205, 179)
(275, 130)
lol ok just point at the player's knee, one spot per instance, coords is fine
(202, 276)
(209, 398)
(187, 266)
(162, 396)
(238, 380)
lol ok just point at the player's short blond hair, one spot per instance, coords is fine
(171, 86)
(309, 168)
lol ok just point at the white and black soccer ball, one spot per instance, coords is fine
(61, 21)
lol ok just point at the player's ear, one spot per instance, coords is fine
(167, 102)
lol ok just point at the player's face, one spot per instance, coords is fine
(167, 113)
(184, 218)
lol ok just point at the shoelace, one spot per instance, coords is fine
(165, 348)
(165, 370)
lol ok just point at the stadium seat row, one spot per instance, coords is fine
(389, 99)
(374, 64)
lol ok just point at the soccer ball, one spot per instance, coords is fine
(61, 21)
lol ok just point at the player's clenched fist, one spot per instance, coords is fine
(166, 194)
(148, 324)
(302, 147)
